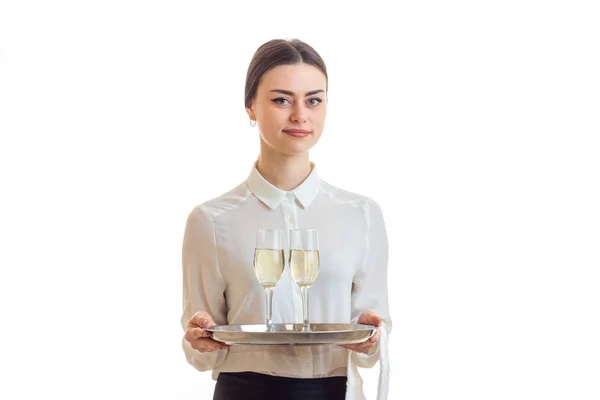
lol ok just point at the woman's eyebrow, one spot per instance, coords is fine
(289, 93)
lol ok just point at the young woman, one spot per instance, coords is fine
(286, 98)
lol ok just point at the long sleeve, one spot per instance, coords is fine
(203, 284)
(370, 285)
(370, 293)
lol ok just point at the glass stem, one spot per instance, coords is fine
(304, 291)
(269, 299)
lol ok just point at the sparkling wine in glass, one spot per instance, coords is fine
(268, 265)
(304, 264)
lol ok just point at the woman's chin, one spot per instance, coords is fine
(294, 150)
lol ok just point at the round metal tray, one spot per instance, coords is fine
(292, 334)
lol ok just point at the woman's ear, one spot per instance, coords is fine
(251, 114)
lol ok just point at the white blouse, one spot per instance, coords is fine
(218, 276)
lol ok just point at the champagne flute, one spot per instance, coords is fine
(268, 265)
(304, 264)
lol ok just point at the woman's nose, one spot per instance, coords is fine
(298, 113)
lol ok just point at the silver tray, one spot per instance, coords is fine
(292, 334)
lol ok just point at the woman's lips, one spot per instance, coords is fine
(296, 132)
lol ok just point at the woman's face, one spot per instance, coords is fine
(290, 107)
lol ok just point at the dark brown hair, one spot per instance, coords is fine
(279, 52)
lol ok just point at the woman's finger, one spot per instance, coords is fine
(375, 337)
(207, 345)
(202, 320)
(360, 348)
(200, 333)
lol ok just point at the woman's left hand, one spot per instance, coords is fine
(366, 318)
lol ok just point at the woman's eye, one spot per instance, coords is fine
(281, 101)
(314, 101)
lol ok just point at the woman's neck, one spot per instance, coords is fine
(282, 171)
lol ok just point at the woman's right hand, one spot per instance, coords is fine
(200, 339)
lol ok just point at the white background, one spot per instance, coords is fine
(473, 124)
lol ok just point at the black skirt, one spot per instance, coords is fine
(253, 386)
